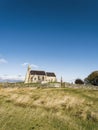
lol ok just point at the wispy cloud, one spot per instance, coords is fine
(32, 65)
(35, 66)
(3, 61)
(25, 64)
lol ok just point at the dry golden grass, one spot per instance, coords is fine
(51, 108)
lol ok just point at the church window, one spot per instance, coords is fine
(43, 78)
(38, 77)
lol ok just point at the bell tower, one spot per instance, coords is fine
(27, 77)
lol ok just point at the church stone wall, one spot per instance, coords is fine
(30, 78)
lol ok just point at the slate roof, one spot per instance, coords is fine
(35, 72)
(51, 74)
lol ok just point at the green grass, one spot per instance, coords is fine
(48, 109)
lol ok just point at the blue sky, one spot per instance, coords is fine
(55, 35)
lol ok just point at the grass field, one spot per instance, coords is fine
(48, 109)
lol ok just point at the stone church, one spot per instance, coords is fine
(35, 76)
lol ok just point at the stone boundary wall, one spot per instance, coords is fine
(48, 85)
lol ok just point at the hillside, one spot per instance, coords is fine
(48, 109)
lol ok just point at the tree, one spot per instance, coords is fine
(92, 78)
(79, 81)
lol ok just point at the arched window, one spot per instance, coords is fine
(43, 78)
(38, 77)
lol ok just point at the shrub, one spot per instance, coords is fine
(79, 81)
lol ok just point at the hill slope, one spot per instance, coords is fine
(48, 109)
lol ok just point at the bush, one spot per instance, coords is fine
(79, 81)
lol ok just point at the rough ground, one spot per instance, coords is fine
(48, 109)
